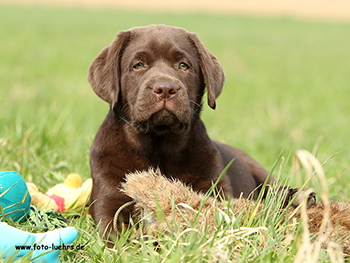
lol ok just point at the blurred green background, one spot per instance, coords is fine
(287, 88)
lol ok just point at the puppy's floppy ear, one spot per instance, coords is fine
(104, 71)
(212, 71)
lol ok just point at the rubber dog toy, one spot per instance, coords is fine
(13, 240)
(14, 196)
(69, 194)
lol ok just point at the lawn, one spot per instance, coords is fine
(287, 88)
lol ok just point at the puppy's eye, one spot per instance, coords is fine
(139, 65)
(183, 66)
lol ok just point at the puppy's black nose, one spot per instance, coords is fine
(165, 90)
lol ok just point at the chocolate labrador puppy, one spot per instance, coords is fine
(154, 79)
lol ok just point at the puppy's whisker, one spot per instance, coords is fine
(148, 127)
(125, 120)
(195, 103)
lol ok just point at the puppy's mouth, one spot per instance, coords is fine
(162, 123)
(162, 130)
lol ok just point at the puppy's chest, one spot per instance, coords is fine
(182, 168)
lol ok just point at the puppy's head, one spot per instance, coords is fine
(155, 76)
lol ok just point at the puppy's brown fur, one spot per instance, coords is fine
(154, 79)
(153, 192)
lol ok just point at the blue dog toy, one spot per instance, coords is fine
(15, 202)
(44, 246)
(14, 196)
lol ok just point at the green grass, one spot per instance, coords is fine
(287, 88)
